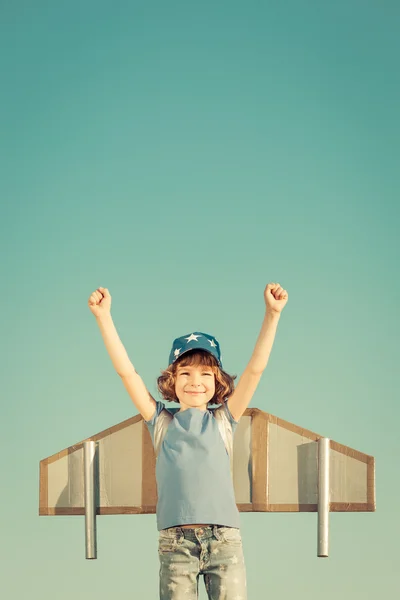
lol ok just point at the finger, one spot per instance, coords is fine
(104, 292)
(97, 297)
(279, 291)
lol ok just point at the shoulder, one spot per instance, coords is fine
(223, 413)
(160, 409)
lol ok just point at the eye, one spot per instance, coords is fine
(186, 373)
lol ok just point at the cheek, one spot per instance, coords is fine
(179, 385)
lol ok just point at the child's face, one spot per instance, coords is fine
(196, 378)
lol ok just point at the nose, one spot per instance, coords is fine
(195, 381)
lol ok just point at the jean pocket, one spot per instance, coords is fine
(165, 546)
(168, 543)
(231, 535)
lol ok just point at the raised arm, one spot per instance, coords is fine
(275, 300)
(100, 305)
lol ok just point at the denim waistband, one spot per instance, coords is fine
(192, 533)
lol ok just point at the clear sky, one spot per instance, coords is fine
(183, 155)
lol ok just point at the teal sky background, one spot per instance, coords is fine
(184, 155)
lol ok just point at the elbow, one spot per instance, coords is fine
(126, 372)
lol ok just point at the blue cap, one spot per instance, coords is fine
(195, 341)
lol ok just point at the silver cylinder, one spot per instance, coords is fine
(89, 451)
(323, 497)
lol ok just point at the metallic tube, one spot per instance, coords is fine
(89, 450)
(323, 497)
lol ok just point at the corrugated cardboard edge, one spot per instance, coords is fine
(260, 430)
(259, 460)
(144, 510)
(149, 484)
(43, 489)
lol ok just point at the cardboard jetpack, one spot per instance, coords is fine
(276, 467)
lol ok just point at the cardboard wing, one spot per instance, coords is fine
(275, 469)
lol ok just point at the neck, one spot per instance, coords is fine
(183, 407)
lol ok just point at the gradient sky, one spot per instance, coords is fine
(184, 155)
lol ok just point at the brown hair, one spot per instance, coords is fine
(224, 385)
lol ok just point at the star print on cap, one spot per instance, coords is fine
(195, 341)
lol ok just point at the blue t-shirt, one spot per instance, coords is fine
(194, 481)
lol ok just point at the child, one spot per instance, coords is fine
(197, 516)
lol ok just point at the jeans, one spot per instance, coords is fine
(215, 552)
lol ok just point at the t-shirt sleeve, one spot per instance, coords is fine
(232, 421)
(159, 408)
(152, 422)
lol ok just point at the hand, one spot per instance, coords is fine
(275, 297)
(100, 302)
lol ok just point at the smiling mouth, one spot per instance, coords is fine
(195, 393)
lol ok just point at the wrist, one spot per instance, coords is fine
(104, 318)
(272, 315)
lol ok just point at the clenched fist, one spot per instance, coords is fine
(275, 297)
(100, 302)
